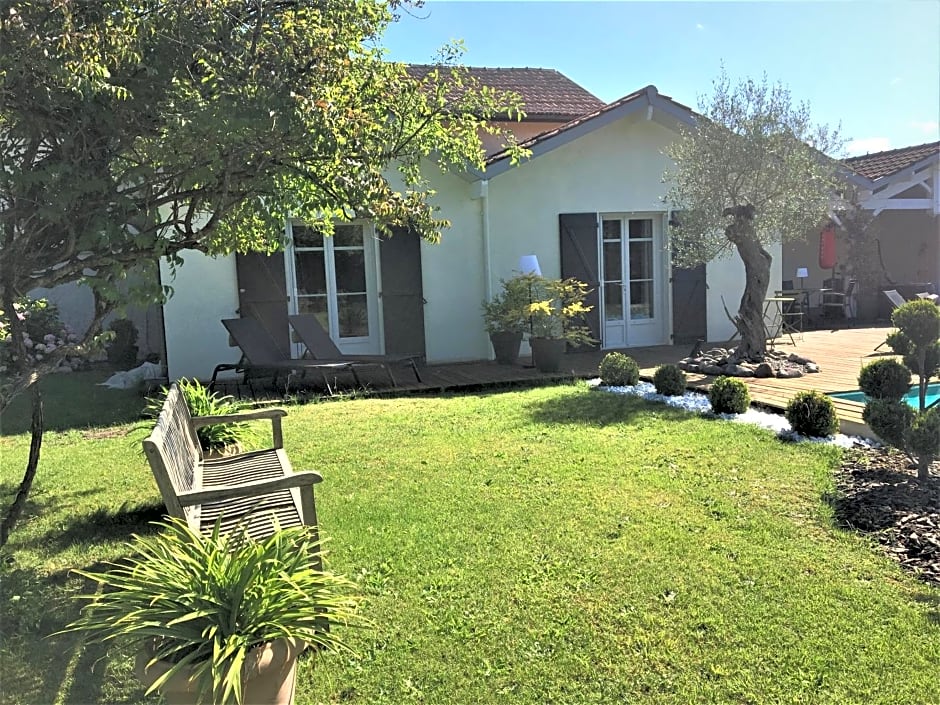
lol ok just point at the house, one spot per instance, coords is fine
(900, 189)
(588, 204)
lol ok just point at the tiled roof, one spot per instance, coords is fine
(875, 166)
(546, 93)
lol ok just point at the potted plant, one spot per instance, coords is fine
(216, 440)
(506, 317)
(556, 320)
(219, 618)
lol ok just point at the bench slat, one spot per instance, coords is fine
(257, 490)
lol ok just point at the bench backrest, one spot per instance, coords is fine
(173, 451)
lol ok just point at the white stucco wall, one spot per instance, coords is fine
(725, 278)
(615, 169)
(204, 292)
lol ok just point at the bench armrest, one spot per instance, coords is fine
(274, 414)
(255, 488)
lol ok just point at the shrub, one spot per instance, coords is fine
(884, 379)
(221, 438)
(669, 380)
(919, 321)
(923, 439)
(122, 350)
(508, 310)
(729, 395)
(43, 334)
(619, 370)
(812, 414)
(904, 346)
(890, 419)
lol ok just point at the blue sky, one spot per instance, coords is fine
(873, 67)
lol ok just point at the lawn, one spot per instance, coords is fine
(553, 545)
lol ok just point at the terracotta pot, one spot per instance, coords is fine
(270, 674)
(547, 353)
(506, 346)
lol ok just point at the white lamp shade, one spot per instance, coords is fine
(802, 273)
(529, 264)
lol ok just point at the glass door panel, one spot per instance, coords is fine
(612, 284)
(334, 278)
(641, 278)
(630, 281)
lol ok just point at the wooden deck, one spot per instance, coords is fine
(839, 353)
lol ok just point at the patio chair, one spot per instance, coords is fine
(261, 355)
(840, 303)
(321, 347)
(896, 300)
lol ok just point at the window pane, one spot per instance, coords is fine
(641, 300)
(641, 260)
(305, 236)
(347, 236)
(612, 265)
(611, 229)
(311, 274)
(641, 228)
(613, 302)
(315, 305)
(353, 316)
(350, 271)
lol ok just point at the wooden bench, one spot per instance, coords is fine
(257, 490)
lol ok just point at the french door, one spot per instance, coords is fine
(631, 280)
(334, 278)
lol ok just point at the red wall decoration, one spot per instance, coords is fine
(827, 247)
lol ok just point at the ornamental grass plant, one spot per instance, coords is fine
(202, 603)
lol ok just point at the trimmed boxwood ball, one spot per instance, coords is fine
(884, 379)
(619, 370)
(890, 419)
(669, 380)
(923, 437)
(729, 395)
(812, 414)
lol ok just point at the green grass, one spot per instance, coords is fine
(554, 545)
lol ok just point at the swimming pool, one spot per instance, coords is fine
(933, 394)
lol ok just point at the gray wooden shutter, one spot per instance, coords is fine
(402, 293)
(262, 294)
(578, 233)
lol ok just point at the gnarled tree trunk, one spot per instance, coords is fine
(750, 318)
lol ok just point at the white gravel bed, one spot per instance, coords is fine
(697, 402)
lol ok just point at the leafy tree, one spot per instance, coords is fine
(135, 129)
(752, 171)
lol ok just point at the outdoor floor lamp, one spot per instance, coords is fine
(529, 264)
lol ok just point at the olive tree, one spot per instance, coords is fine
(751, 172)
(135, 129)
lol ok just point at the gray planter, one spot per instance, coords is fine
(506, 346)
(547, 353)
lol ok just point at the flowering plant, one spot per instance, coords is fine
(44, 337)
(558, 311)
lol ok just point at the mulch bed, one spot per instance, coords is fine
(878, 494)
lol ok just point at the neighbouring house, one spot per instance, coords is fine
(588, 204)
(900, 189)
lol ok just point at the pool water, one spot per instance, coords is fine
(912, 399)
